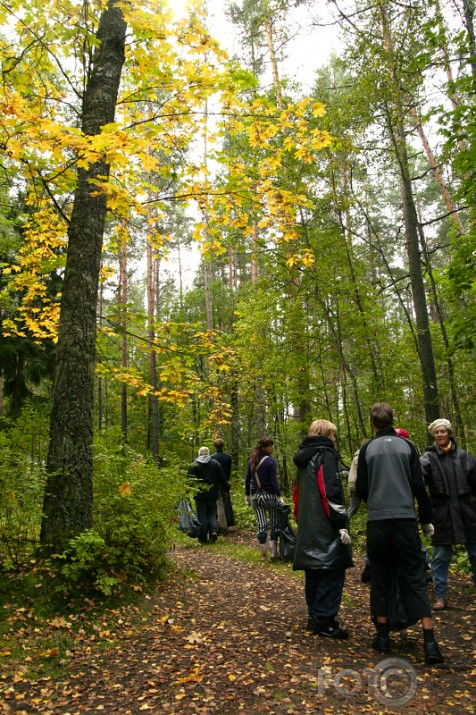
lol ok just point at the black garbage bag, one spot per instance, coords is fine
(230, 517)
(286, 534)
(398, 619)
(187, 519)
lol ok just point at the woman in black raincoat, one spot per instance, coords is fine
(323, 540)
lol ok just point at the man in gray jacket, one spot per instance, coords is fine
(389, 479)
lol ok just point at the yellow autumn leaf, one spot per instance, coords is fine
(59, 622)
(125, 490)
(194, 677)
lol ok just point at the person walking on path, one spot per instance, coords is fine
(262, 492)
(224, 508)
(211, 477)
(389, 479)
(323, 539)
(450, 475)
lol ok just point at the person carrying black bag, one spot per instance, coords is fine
(389, 480)
(210, 477)
(225, 514)
(263, 494)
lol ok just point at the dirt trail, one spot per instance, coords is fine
(229, 637)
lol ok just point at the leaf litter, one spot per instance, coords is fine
(228, 637)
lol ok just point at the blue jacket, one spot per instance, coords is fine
(266, 475)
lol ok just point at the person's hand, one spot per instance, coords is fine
(428, 529)
(280, 501)
(248, 500)
(344, 537)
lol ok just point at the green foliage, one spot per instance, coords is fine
(461, 563)
(244, 514)
(23, 447)
(134, 510)
(88, 562)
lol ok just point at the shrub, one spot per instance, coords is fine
(134, 521)
(23, 450)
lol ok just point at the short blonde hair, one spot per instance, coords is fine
(322, 428)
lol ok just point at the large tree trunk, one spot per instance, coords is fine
(122, 320)
(469, 11)
(68, 502)
(152, 299)
(100, 384)
(396, 130)
(425, 345)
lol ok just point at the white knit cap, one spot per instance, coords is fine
(439, 423)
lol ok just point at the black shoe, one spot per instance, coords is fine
(432, 653)
(311, 625)
(214, 537)
(365, 575)
(381, 644)
(331, 629)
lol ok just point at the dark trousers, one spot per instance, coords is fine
(323, 588)
(394, 546)
(207, 516)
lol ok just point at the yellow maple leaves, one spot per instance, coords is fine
(172, 66)
(257, 194)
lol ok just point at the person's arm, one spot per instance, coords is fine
(362, 481)
(419, 489)
(351, 479)
(425, 466)
(227, 467)
(471, 473)
(222, 480)
(332, 493)
(273, 479)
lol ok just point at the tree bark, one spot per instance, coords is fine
(68, 501)
(152, 295)
(100, 380)
(448, 199)
(122, 320)
(396, 129)
(469, 10)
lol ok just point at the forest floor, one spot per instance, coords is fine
(226, 634)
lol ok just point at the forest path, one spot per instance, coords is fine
(224, 636)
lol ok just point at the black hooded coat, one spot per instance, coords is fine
(320, 508)
(451, 481)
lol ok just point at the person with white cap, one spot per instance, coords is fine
(450, 475)
(208, 476)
